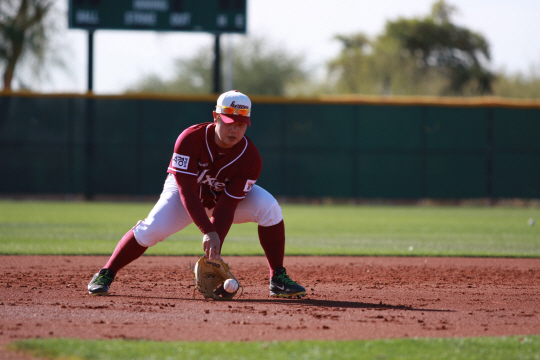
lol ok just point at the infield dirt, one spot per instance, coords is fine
(347, 298)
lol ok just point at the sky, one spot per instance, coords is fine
(303, 27)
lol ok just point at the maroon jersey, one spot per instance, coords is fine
(231, 171)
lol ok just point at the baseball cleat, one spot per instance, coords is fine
(101, 282)
(281, 285)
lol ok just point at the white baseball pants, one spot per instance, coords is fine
(170, 216)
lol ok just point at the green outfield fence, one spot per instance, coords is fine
(340, 147)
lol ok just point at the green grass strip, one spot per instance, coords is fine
(94, 228)
(493, 348)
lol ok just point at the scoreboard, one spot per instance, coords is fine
(159, 15)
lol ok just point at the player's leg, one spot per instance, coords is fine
(126, 251)
(166, 218)
(261, 207)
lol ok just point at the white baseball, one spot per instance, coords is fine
(230, 285)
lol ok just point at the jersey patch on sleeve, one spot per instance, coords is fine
(180, 161)
(249, 185)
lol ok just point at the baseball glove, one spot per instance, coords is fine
(209, 277)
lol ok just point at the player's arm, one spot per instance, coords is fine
(236, 191)
(187, 186)
(223, 215)
(184, 167)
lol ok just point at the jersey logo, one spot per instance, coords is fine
(249, 185)
(210, 181)
(180, 161)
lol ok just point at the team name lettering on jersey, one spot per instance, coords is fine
(210, 181)
(180, 161)
(249, 185)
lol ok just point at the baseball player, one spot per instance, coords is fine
(211, 182)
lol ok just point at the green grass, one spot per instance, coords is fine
(94, 228)
(492, 348)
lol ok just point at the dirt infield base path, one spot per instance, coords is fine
(348, 298)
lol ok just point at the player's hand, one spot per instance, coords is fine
(212, 245)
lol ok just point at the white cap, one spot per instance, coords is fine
(237, 100)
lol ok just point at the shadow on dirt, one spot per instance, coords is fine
(339, 304)
(308, 302)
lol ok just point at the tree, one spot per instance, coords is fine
(25, 32)
(351, 65)
(457, 53)
(192, 76)
(258, 69)
(425, 56)
(519, 85)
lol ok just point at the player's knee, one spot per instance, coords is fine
(272, 216)
(147, 235)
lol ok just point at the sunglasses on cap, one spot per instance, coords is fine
(229, 110)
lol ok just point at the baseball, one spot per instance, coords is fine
(531, 222)
(230, 285)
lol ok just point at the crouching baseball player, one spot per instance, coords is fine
(211, 183)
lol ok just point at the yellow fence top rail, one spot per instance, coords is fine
(483, 101)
